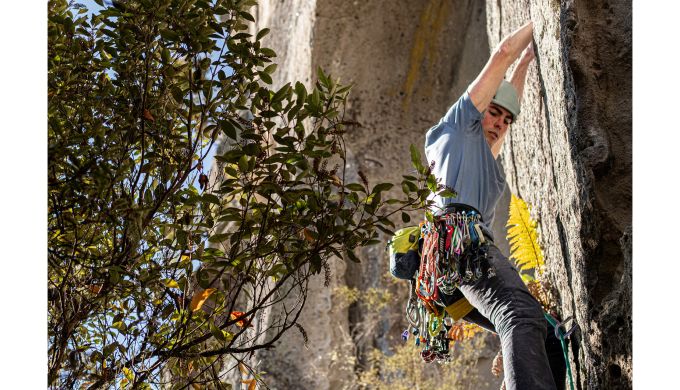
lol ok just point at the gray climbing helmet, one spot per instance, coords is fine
(506, 97)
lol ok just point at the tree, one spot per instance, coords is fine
(153, 267)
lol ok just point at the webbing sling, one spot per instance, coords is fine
(558, 332)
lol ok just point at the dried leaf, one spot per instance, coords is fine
(199, 299)
(148, 116)
(250, 382)
(203, 181)
(95, 288)
(497, 365)
(336, 180)
(243, 369)
(240, 316)
(462, 331)
(541, 291)
(307, 234)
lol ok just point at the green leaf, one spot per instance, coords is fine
(447, 193)
(270, 69)
(217, 332)
(355, 187)
(405, 217)
(243, 163)
(169, 35)
(165, 55)
(247, 16)
(261, 34)
(265, 77)
(220, 237)
(382, 187)
(267, 52)
(300, 91)
(526, 278)
(315, 100)
(228, 128)
(211, 198)
(177, 94)
(352, 256)
(108, 350)
(415, 158)
(429, 216)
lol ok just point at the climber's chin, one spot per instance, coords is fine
(491, 137)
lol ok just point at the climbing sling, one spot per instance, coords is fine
(453, 250)
(563, 337)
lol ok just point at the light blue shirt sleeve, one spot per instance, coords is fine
(463, 114)
(459, 120)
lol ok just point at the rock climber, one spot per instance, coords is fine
(464, 146)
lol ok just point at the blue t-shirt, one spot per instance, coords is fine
(463, 160)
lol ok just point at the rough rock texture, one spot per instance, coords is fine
(409, 61)
(570, 156)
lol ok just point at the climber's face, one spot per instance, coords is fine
(495, 123)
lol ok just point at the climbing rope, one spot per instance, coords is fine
(562, 337)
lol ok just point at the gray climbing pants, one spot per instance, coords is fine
(518, 319)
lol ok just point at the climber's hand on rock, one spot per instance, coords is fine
(528, 53)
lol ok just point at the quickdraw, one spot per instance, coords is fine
(453, 252)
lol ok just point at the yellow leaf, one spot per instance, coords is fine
(128, 373)
(199, 299)
(523, 238)
(170, 283)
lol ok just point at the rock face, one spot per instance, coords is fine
(569, 155)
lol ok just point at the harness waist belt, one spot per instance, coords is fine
(453, 208)
(458, 207)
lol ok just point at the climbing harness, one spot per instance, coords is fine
(448, 251)
(563, 336)
(453, 250)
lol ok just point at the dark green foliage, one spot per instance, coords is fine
(138, 226)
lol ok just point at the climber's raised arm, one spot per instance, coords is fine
(518, 79)
(484, 87)
(519, 74)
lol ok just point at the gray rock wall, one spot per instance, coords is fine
(408, 61)
(569, 155)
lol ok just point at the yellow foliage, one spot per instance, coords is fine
(462, 330)
(199, 299)
(252, 383)
(523, 237)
